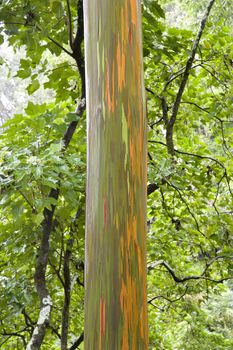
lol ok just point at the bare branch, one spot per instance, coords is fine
(156, 123)
(77, 53)
(191, 154)
(188, 278)
(42, 260)
(67, 283)
(206, 110)
(72, 126)
(170, 300)
(176, 105)
(34, 25)
(27, 200)
(77, 342)
(165, 110)
(16, 334)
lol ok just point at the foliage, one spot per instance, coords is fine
(190, 194)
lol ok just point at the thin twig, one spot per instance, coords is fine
(170, 300)
(188, 278)
(206, 110)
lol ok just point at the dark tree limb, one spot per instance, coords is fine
(47, 224)
(55, 331)
(16, 334)
(40, 278)
(165, 111)
(155, 186)
(77, 342)
(67, 283)
(42, 260)
(178, 279)
(156, 122)
(179, 73)
(28, 321)
(187, 207)
(151, 188)
(190, 154)
(77, 53)
(176, 105)
(168, 299)
(70, 29)
(226, 149)
(48, 37)
(206, 110)
(59, 45)
(200, 157)
(72, 126)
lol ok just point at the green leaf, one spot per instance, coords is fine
(157, 9)
(33, 86)
(24, 73)
(38, 218)
(1, 39)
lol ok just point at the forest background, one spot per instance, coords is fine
(189, 240)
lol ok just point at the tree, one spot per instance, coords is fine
(189, 204)
(115, 305)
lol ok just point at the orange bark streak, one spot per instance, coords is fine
(132, 155)
(135, 230)
(113, 88)
(102, 317)
(133, 8)
(141, 324)
(123, 301)
(121, 66)
(139, 261)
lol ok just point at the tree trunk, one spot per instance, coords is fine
(115, 276)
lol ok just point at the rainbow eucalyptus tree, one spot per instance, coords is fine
(115, 277)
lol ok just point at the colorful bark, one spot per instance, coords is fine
(115, 281)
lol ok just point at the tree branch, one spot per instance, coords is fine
(34, 25)
(206, 110)
(77, 53)
(77, 342)
(176, 105)
(165, 111)
(190, 154)
(170, 300)
(72, 126)
(70, 30)
(59, 45)
(67, 283)
(188, 278)
(15, 334)
(47, 223)
(42, 260)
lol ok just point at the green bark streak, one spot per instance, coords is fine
(115, 301)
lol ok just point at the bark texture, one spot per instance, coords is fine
(115, 276)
